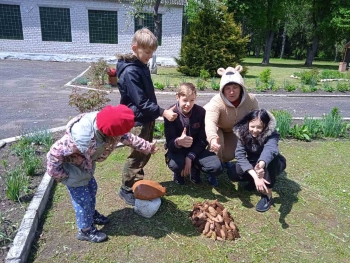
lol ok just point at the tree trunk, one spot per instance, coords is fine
(336, 53)
(257, 51)
(284, 35)
(267, 50)
(312, 52)
(153, 66)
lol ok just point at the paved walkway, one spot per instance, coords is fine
(34, 96)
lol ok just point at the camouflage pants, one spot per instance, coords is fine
(133, 168)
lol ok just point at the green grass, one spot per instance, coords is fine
(281, 70)
(308, 223)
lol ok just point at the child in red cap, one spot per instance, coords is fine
(90, 138)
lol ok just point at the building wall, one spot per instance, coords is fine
(32, 43)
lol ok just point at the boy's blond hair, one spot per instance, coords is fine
(144, 38)
(186, 89)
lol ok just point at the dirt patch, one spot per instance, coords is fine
(12, 212)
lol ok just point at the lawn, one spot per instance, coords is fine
(309, 221)
(281, 70)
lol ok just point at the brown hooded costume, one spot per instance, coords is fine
(222, 115)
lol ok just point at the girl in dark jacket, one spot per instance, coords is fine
(258, 158)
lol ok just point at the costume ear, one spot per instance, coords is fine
(239, 68)
(221, 71)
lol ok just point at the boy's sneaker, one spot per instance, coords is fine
(127, 196)
(100, 219)
(92, 235)
(178, 179)
(195, 175)
(212, 180)
(264, 204)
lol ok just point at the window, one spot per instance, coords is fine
(146, 20)
(10, 22)
(103, 27)
(55, 24)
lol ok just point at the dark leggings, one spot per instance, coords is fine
(274, 168)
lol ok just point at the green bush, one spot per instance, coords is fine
(200, 84)
(343, 87)
(290, 87)
(31, 163)
(332, 124)
(214, 85)
(331, 74)
(16, 184)
(300, 132)
(283, 122)
(314, 127)
(97, 72)
(215, 45)
(265, 75)
(159, 86)
(204, 74)
(327, 87)
(82, 81)
(309, 77)
(92, 100)
(159, 130)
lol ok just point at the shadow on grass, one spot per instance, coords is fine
(288, 191)
(224, 192)
(169, 219)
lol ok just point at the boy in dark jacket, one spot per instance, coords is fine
(137, 92)
(186, 140)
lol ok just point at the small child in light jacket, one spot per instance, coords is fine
(90, 138)
(257, 154)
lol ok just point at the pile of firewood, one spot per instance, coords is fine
(213, 220)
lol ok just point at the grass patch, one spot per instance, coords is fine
(280, 70)
(310, 218)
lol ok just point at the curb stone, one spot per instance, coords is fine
(21, 245)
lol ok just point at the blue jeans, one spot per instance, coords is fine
(84, 202)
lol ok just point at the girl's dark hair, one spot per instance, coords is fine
(242, 127)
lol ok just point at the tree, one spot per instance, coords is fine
(213, 41)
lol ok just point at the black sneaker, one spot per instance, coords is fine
(195, 175)
(178, 179)
(100, 219)
(264, 204)
(212, 180)
(92, 235)
(127, 196)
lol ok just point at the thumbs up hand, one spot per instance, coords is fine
(184, 140)
(170, 115)
(215, 145)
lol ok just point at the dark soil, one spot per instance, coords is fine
(12, 212)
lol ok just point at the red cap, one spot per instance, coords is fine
(115, 120)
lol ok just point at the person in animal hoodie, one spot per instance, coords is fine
(224, 110)
(257, 154)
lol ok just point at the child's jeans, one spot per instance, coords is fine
(133, 168)
(84, 201)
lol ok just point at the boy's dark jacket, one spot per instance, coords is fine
(137, 90)
(195, 128)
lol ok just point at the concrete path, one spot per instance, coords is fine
(34, 96)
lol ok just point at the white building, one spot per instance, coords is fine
(99, 28)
